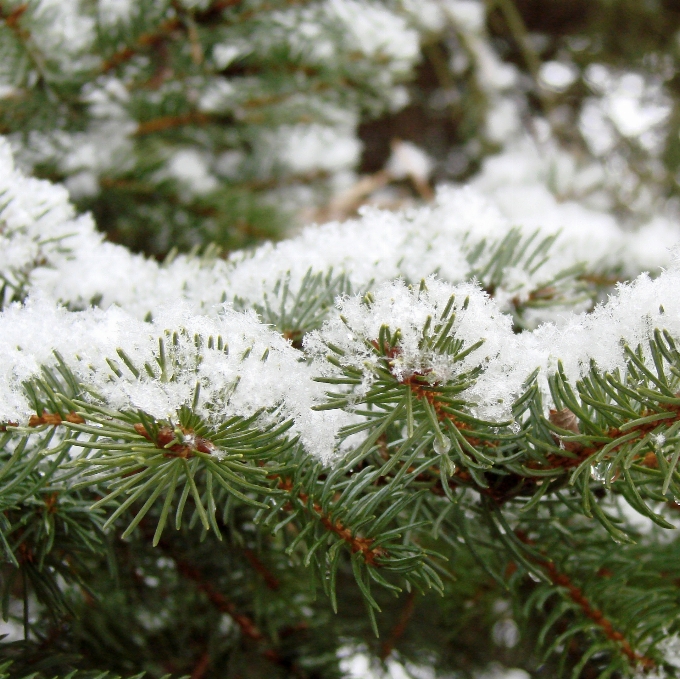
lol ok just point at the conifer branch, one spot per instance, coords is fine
(219, 601)
(371, 555)
(270, 580)
(247, 626)
(575, 593)
(164, 123)
(392, 403)
(145, 41)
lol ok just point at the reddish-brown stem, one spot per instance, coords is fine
(144, 41)
(12, 20)
(400, 626)
(220, 602)
(424, 391)
(578, 597)
(605, 281)
(221, 5)
(191, 445)
(357, 544)
(540, 294)
(170, 122)
(201, 666)
(270, 580)
(54, 419)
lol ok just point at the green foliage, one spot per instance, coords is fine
(151, 85)
(430, 490)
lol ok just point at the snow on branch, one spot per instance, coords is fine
(224, 367)
(244, 367)
(452, 238)
(422, 319)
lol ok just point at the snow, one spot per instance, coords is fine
(303, 130)
(624, 103)
(409, 310)
(63, 33)
(321, 31)
(255, 370)
(61, 259)
(114, 11)
(308, 148)
(557, 75)
(408, 160)
(374, 30)
(470, 15)
(191, 168)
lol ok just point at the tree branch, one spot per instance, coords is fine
(357, 544)
(577, 596)
(400, 626)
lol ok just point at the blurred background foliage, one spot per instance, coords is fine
(183, 141)
(601, 76)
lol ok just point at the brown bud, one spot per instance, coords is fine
(565, 419)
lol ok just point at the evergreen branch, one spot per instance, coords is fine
(201, 666)
(562, 581)
(247, 626)
(387, 439)
(271, 581)
(164, 123)
(247, 14)
(148, 40)
(217, 599)
(372, 556)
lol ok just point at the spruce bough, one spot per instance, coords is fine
(234, 449)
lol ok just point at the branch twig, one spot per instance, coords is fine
(577, 596)
(400, 626)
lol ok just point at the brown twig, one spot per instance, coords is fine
(400, 626)
(604, 281)
(219, 601)
(12, 20)
(54, 419)
(201, 667)
(357, 544)
(144, 41)
(170, 122)
(270, 580)
(221, 5)
(191, 445)
(246, 625)
(424, 391)
(578, 597)
(347, 202)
